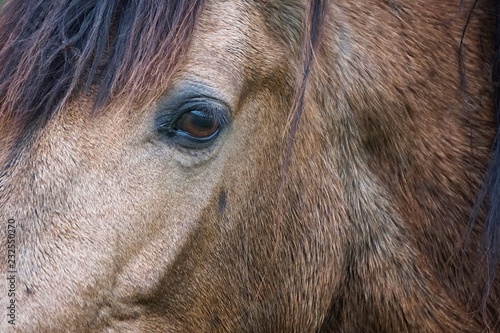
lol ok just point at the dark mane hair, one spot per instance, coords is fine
(492, 181)
(50, 50)
(488, 199)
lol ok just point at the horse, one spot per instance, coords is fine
(249, 166)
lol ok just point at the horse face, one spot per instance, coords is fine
(192, 209)
(156, 217)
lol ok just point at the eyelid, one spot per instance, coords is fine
(215, 108)
(166, 121)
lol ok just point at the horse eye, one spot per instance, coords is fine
(198, 124)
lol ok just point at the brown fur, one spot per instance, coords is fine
(364, 232)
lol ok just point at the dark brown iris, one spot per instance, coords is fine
(197, 124)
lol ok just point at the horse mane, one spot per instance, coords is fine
(52, 50)
(488, 199)
(492, 182)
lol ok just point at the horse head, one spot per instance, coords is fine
(247, 166)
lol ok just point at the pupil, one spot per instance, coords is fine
(198, 124)
(201, 120)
